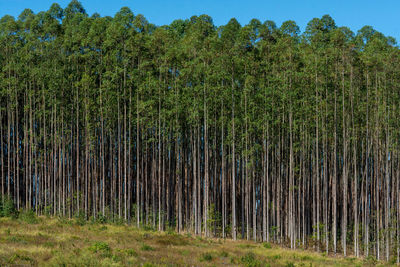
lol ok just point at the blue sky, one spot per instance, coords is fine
(383, 15)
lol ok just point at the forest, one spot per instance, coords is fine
(253, 132)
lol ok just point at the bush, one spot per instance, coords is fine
(101, 247)
(267, 245)
(80, 219)
(7, 208)
(224, 254)
(206, 257)
(145, 247)
(101, 219)
(28, 217)
(249, 260)
(48, 210)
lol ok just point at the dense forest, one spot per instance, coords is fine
(254, 132)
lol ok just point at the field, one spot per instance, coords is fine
(58, 242)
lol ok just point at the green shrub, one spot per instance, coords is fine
(80, 219)
(371, 260)
(289, 264)
(149, 228)
(48, 210)
(267, 245)
(19, 257)
(224, 254)
(101, 247)
(275, 257)
(7, 208)
(101, 219)
(103, 228)
(146, 247)
(249, 260)
(306, 258)
(28, 217)
(206, 257)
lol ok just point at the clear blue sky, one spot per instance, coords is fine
(383, 15)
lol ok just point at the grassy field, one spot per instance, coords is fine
(59, 242)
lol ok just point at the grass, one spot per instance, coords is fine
(42, 241)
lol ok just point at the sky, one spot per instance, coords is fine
(383, 15)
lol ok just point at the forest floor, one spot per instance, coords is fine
(59, 242)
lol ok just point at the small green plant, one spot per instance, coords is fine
(47, 210)
(103, 228)
(371, 260)
(249, 260)
(274, 257)
(146, 247)
(224, 254)
(185, 252)
(131, 252)
(305, 258)
(15, 239)
(289, 264)
(101, 219)
(101, 247)
(206, 257)
(244, 246)
(28, 217)
(49, 244)
(7, 208)
(20, 257)
(214, 218)
(80, 219)
(267, 245)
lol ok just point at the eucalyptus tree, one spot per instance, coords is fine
(256, 132)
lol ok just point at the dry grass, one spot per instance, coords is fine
(53, 242)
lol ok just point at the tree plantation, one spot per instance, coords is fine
(250, 132)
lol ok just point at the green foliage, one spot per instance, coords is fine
(28, 216)
(267, 245)
(20, 257)
(146, 247)
(214, 219)
(7, 208)
(80, 218)
(131, 252)
(99, 219)
(223, 253)
(101, 248)
(370, 260)
(250, 260)
(47, 210)
(206, 257)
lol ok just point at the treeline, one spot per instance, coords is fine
(256, 131)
